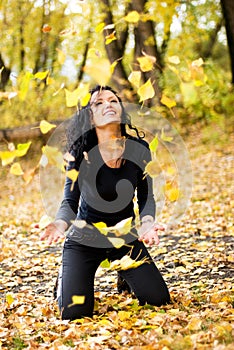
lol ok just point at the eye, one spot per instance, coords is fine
(114, 101)
(98, 103)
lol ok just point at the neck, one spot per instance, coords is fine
(108, 132)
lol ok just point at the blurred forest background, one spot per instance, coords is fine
(176, 57)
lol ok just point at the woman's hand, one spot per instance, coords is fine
(54, 231)
(148, 232)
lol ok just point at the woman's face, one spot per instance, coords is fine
(105, 107)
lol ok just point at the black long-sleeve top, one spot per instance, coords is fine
(106, 194)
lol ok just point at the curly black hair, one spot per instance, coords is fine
(81, 135)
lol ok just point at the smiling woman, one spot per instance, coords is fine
(111, 167)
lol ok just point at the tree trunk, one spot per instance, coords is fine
(115, 51)
(228, 14)
(143, 31)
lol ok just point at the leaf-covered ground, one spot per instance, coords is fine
(196, 259)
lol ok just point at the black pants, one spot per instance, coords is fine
(79, 266)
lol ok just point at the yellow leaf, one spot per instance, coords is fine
(16, 169)
(44, 221)
(194, 324)
(7, 157)
(164, 137)
(9, 299)
(49, 81)
(146, 91)
(78, 299)
(85, 99)
(41, 75)
(101, 226)
(22, 149)
(113, 65)
(154, 144)
(24, 85)
(135, 78)
(146, 63)
(72, 174)
(173, 194)
(152, 168)
(174, 59)
(99, 28)
(100, 70)
(132, 17)
(61, 56)
(124, 315)
(168, 101)
(121, 228)
(109, 38)
(105, 264)
(46, 127)
(72, 97)
(51, 155)
(116, 242)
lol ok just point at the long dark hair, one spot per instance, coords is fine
(81, 135)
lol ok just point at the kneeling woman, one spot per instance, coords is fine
(111, 171)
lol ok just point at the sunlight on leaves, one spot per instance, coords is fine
(146, 91)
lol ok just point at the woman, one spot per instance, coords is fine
(111, 170)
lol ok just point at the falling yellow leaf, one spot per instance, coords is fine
(173, 194)
(51, 155)
(152, 168)
(146, 91)
(126, 262)
(109, 38)
(105, 264)
(146, 63)
(77, 300)
(46, 126)
(135, 78)
(8, 157)
(168, 101)
(72, 97)
(116, 242)
(132, 17)
(99, 28)
(121, 228)
(72, 174)
(100, 70)
(41, 75)
(154, 144)
(16, 169)
(45, 221)
(174, 59)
